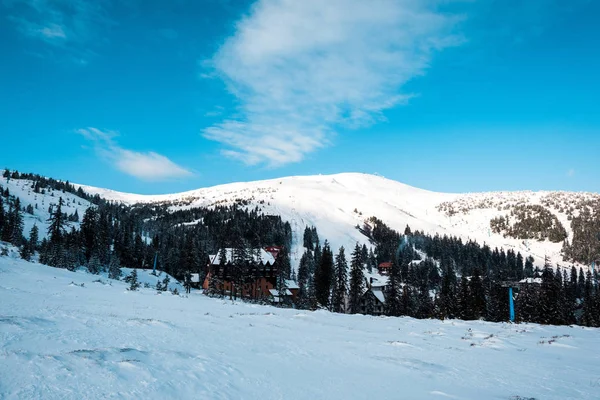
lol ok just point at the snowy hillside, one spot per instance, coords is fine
(67, 335)
(336, 204)
(40, 203)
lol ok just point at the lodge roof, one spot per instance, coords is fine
(257, 255)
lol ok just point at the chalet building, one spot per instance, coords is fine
(195, 281)
(384, 268)
(372, 301)
(253, 280)
(276, 298)
(293, 288)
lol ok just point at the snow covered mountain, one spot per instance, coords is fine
(337, 204)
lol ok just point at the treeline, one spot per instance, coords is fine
(531, 221)
(442, 277)
(113, 235)
(42, 184)
(585, 246)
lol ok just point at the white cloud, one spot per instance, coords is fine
(149, 166)
(302, 69)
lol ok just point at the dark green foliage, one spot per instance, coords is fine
(531, 221)
(114, 269)
(393, 303)
(132, 279)
(340, 285)
(324, 276)
(357, 281)
(34, 235)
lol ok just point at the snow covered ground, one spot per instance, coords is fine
(23, 189)
(63, 335)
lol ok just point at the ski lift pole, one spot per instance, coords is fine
(511, 285)
(511, 303)
(155, 259)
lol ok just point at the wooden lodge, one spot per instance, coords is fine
(253, 280)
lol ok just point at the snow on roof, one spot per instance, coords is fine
(195, 278)
(291, 284)
(531, 280)
(379, 294)
(275, 294)
(258, 255)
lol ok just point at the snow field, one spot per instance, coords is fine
(62, 339)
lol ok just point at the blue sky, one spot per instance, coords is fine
(157, 97)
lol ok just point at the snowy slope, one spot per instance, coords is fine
(23, 189)
(335, 204)
(63, 340)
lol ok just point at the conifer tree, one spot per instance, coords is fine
(324, 276)
(56, 230)
(2, 213)
(528, 270)
(89, 232)
(305, 274)
(477, 292)
(94, 265)
(16, 224)
(282, 287)
(34, 238)
(133, 280)
(114, 269)
(25, 251)
(165, 283)
(464, 300)
(357, 281)
(340, 286)
(393, 304)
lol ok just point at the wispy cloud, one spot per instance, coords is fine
(303, 69)
(149, 166)
(68, 25)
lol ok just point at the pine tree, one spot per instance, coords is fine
(187, 281)
(477, 292)
(165, 283)
(33, 238)
(340, 286)
(89, 231)
(133, 280)
(56, 230)
(305, 274)
(114, 269)
(588, 314)
(16, 224)
(448, 293)
(357, 282)
(549, 298)
(464, 300)
(528, 270)
(25, 251)
(393, 303)
(282, 287)
(3, 217)
(520, 268)
(284, 263)
(94, 265)
(324, 276)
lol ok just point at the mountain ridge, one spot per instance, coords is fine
(337, 203)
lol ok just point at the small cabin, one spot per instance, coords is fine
(384, 268)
